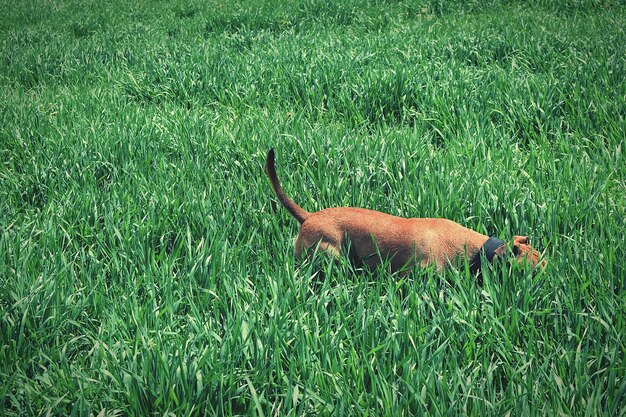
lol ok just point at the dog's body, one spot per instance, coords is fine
(373, 237)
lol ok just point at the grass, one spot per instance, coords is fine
(145, 268)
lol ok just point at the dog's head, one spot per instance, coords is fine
(523, 253)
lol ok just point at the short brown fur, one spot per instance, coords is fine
(374, 236)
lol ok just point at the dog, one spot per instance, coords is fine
(371, 237)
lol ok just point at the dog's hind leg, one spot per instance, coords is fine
(305, 249)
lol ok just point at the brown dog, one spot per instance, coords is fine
(373, 237)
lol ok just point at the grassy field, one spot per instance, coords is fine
(146, 269)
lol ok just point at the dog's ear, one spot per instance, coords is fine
(501, 251)
(521, 239)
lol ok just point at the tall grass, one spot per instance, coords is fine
(145, 268)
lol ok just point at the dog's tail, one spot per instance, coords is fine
(295, 210)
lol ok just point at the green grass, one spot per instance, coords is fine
(145, 268)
